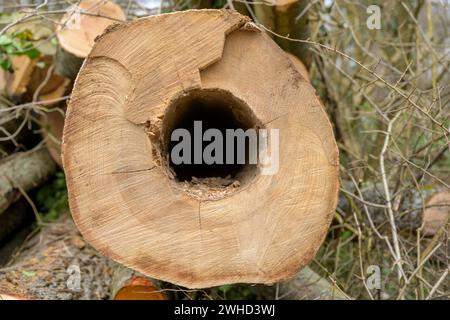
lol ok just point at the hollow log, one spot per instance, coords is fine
(77, 32)
(197, 225)
(23, 171)
(288, 18)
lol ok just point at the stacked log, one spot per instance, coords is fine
(20, 173)
(77, 32)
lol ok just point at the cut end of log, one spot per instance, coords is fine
(87, 20)
(438, 214)
(9, 297)
(139, 288)
(197, 226)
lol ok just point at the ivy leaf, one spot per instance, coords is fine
(6, 64)
(32, 53)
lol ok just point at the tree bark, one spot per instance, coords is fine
(18, 215)
(288, 19)
(23, 171)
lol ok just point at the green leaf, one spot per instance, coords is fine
(5, 40)
(33, 53)
(28, 274)
(17, 44)
(10, 49)
(345, 235)
(6, 64)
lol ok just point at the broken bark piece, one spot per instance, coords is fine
(52, 266)
(138, 208)
(77, 32)
(437, 215)
(127, 284)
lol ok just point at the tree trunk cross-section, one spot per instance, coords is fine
(78, 29)
(130, 203)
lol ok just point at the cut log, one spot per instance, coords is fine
(28, 74)
(197, 225)
(13, 243)
(8, 297)
(78, 29)
(57, 264)
(17, 82)
(14, 218)
(15, 135)
(127, 284)
(23, 171)
(308, 285)
(288, 18)
(52, 122)
(437, 215)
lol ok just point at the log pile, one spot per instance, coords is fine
(154, 220)
(194, 231)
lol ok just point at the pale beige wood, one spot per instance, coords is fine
(126, 203)
(78, 29)
(300, 66)
(437, 215)
(17, 81)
